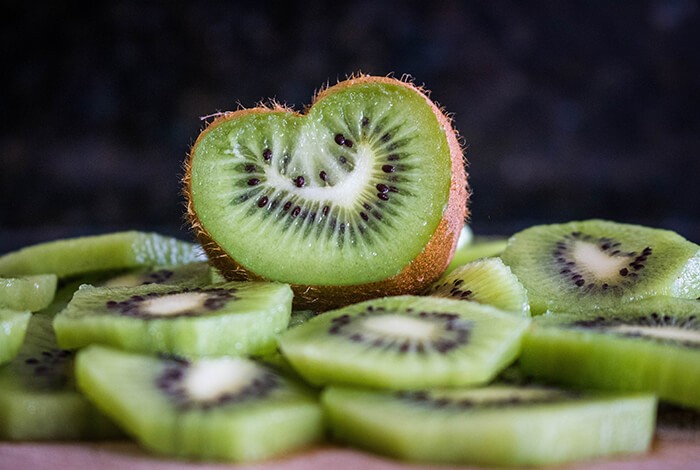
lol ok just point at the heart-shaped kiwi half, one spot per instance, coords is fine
(361, 196)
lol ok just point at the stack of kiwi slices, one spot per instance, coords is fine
(324, 302)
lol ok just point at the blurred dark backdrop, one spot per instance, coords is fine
(570, 109)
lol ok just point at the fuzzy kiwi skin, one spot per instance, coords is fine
(423, 270)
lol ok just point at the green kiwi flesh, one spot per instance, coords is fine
(30, 293)
(405, 342)
(191, 274)
(234, 318)
(479, 247)
(219, 408)
(13, 327)
(652, 345)
(597, 264)
(81, 255)
(38, 398)
(337, 196)
(485, 281)
(496, 425)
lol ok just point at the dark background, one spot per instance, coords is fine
(570, 110)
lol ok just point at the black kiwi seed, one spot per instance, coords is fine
(325, 210)
(323, 176)
(267, 155)
(455, 331)
(253, 181)
(172, 382)
(388, 168)
(383, 196)
(364, 122)
(299, 181)
(340, 139)
(382, 188)
(287, 205)
(348, 143)
(262, 202)
(250, 168)
(296, 211)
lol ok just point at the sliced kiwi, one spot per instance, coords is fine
(30, 293)
(120, 250)
(235, 318)
(300, 316)
(486, 281)
(596, 264)
(405, 342)
(192, 274)
(495, 425)
(38, 398)
(13, 327)
(480, 247)
(651, 345)
(218, 408)
(336, 201)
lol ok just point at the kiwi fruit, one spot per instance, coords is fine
(30, 293)
(13, 327)
(221, 408)
(486, 281)
(591, 264)
(300, 316)
(81, 255)
(405, 342)
(652, 345)
(193, 274)
(499, 425)
(479, 247)
(38, 398)
(234, 318)
(335, 201)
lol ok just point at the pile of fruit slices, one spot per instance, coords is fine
(156, 346)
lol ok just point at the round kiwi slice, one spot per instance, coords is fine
(30, 293)
(219, 408)
(38, 398)
(81, 255)
(405, 342)
(486, 281)
(650, 345)
(234, 318)
(362, 196)
(596, 263)
(498, 425)
(13, 327)
(479, 247)
(192, 274)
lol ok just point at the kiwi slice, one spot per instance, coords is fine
(486, 281)
(651, 345)
(405, 342)
(120, 250)
(235, 318)
(13, 327)
(30, 293)
(335, 202)
(192, 274)
(219, 408)
(480, 247)
(499, 425)
(596, 264)
(38, 398)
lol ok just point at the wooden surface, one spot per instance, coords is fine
(676, 446)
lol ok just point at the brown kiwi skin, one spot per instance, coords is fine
(413, 278)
